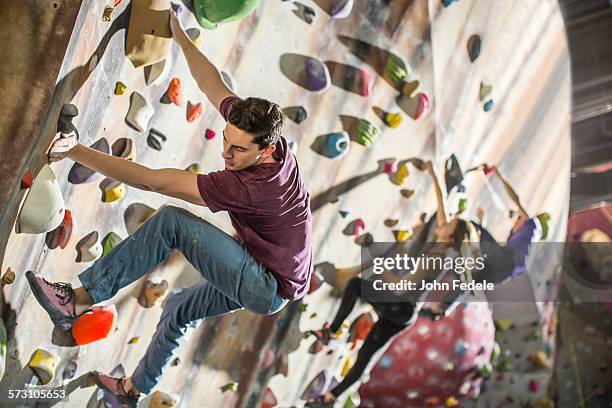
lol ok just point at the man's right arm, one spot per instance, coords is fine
(206, 75)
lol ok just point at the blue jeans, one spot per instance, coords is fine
(233, 280)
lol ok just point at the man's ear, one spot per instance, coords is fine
(268, 150)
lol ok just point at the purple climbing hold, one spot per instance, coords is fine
(177, 8)
(341, 8)
(317, 75)
(318, 386)
(80, 174)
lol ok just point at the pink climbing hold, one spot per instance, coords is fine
(390, 166)
(366, 81)
(210, 134)
(358, 227)
(534, 385)
(422, 106)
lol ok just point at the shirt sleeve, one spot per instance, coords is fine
(226, 106)
(224, 191)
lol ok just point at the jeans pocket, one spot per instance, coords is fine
(257, 289)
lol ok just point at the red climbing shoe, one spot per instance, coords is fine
(115, 386)
(56, 298)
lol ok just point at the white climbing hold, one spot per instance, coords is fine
(140, 112)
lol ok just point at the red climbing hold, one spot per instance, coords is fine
(94, 325)
(175, 92)
(268, 399)
(61, 235)
(194, 111)
(210, 134)
(27, 180)
(360, 328)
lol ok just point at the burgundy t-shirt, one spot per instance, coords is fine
(269, 206)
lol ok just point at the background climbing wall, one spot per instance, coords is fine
(523, 56)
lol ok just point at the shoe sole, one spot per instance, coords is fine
(59, 319)
(122, 399)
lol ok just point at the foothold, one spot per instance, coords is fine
(302, 307)
(157, 72)
(317, 75)
(341, 8)
(313, 315)
(177, 8)
(308, 14)
(194, 111)
(112, 191)
(95, 324)
(117, 2)
(43, 207)
(195, 168)
(396, 69)
(461, 347)
(8, 277)
(393, 120)
(401, 175)
(422, 106)
(367, 134)
(80, 174)
(88, 248)
(410, 87)
(485, 370)
(447, 3)
(123, 148)
(268, 399)
(407, 193)
(233, 387)
(485, 91)
(297, 114)
(151, 293)
(64, 122)
(210, 134)
(453, 175)
(61, 235)
(346, 367)
(134, 340)
(358, 227)
(360, 328)
(110, 241)
(534, 385)
(153, 142)
(175, 92)
(44, 364)
(175, 362)
(403, 235)
(108, 13)
(337, 145)
(488, 105)
(503, 324)
(344, 213)
(26, 180)
(135, 215)
(69, 370)
(391, 222)
(195, 35)
(210, 14)
(120, 88)
(139, 113)
(473, 47)
(317, 386)
(390, 166)
(229, 80)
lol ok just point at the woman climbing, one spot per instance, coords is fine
(399, 313)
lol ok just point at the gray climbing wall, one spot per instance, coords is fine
(524, 57)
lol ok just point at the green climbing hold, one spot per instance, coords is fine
(233, 387)
(211, 13)
(396, 69)
(496, 352)
(366, 133)
(110, 241)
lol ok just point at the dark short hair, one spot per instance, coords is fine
(260, 117)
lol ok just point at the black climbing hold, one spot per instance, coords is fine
(158, 133)
(452, 174)
(296, 113)
(473, 47)
(64, 122)
(153, 142)
(309, 14)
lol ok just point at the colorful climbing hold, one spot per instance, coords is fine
(195, 35)
(308, 14)
(337, 145)
(134, 340)
(135, 215)
(194, 111)
(485, 369)
(473, 47)
(210, 134)
(153, 142)
(367, 134)
(69, 370)
(503, 324)
(211, 13)
(151, 292)
(422, 106)
(44, 363)
(391, 222)
(452, 402)
(402, 173)
(232, 386)
(452, 173)
(61, 235)
(358, 227)
(8, 277)
(88, 248)
(390, 166)
(175, 92)
(396, 69)
(297, 114)
(95, 324)
(110, 241)
(43, 207)
(195, 168)
(112, 191)
(120, 88)
(139, 113)
(386, 361)
(488, 105)
(393, 120)
(317, 386)
(403, 235)
(344, 213)
(175, 362)
(123, 148)
(340, 8)
(80, 174)
(407, 193)
(317, 78)
(26, 180)
(176, 7)
(534, 385)
(346, 367)
(485, 91)
(268, 399)
(360, 328)
(108, 14)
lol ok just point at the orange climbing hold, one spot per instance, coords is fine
(361, 328)
(27, 180)
(175, 92)
(117, 2)
(194, 111)
(94, 325)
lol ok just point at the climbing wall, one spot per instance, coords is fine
(523, 58)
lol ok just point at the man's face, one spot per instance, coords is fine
(239, 151)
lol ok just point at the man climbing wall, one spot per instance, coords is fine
(261, 188)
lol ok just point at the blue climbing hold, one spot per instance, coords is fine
(447, 3)
(488, 105)
(344, 213)
(337, 145)
(461, 347)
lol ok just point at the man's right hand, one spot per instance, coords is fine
(62, 147)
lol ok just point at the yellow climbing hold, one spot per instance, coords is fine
(195, 168)
(402, 174)
(44, 364)
(108, 14)
(403, 235)
(393, 120)
(8, 277)
(233, 386)
(346, 367)
(120, 88)
(134, 340)
(540, 360)
(503, 324)
(313, 315)
(452, 402)
(114, 192)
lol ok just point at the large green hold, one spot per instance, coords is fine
(211, 13)
(366, 133)
(110, 241)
